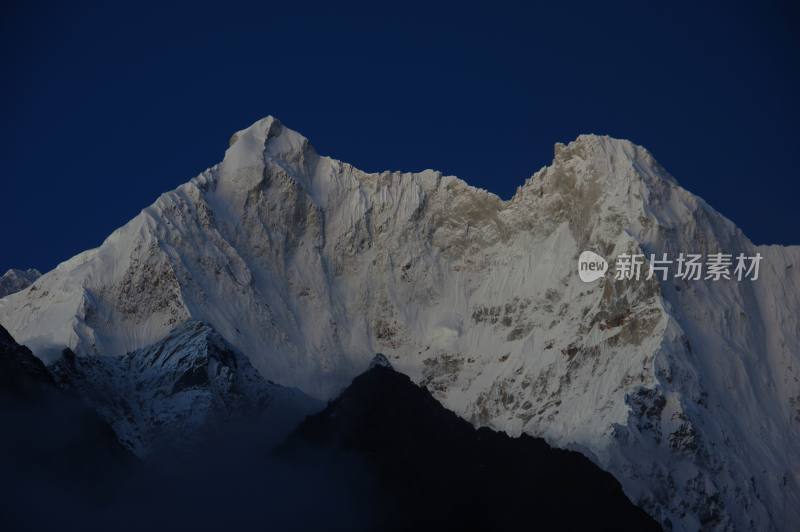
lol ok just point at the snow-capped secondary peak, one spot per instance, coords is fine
(15, 280)
(688, 392)
(593, 163)
(180, 389)
(380, 361)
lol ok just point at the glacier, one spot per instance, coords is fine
(688, 392)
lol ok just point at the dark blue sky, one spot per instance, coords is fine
(105, 106)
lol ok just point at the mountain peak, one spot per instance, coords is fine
(599, 166)
(265, 143)
(602, 144)
(611, 156)
(265, 137)
(178, 389)
(15, 280)
(380, 361)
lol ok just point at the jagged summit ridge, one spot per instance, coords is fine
(269, 138)
(310, 266)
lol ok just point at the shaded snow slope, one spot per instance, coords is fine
(688, 392)
(180, 391)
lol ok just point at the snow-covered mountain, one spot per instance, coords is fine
(687, 391)
(15, 280)
(178, 391)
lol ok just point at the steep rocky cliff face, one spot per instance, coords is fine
(687, 391)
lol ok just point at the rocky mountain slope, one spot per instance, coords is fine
(434, 471)
(181, 391)
(687, 391)
(15, 280)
